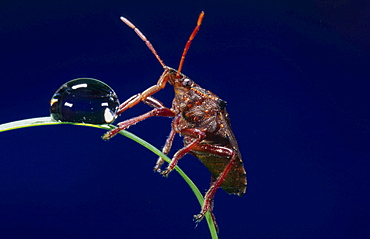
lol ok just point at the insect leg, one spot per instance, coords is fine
(221, 151)
(166, 112)
(166, 149)
(135, 99)
(213, 179)
(179, 154)
(153, 102)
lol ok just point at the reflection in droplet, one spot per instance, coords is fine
(84, 100)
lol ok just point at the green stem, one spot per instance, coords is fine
(48, 121)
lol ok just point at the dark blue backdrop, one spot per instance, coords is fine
(295, 76)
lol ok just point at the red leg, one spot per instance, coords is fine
(153, 102)
(211, 202)
(208, 198)
(166, 149)
(213, 179)
(135, 99)
(179, 154)
(213, 215)
(166, 112)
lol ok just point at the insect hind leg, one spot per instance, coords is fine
(208, 198)
(211, 202)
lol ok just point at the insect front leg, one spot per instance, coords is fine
(160, 110)
(153, 102)
(135, 99)
(198, 134)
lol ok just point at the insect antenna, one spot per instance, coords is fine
(147, 42)
(187, 45)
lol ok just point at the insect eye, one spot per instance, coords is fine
(187, 82)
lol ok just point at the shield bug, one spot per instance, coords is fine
(200, 117)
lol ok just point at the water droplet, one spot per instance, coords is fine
(84, 100)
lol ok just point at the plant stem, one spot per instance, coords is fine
(42, 121)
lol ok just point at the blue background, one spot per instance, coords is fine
(295, 75)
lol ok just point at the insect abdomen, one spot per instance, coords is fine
(235, 181)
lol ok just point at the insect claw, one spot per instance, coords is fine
(196, 222)
(106, 136)
(165, 173)
(197, 218)
(157, 169)
(111, 133)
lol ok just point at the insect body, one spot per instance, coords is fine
(201, 118)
